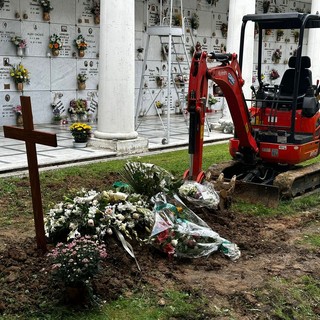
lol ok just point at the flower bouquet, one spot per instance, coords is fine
(201, 195)
(95, 10)
(80, 44)
(179, 232)
(277, 54)
(46, 7)
(78, 106)
(224, 29)
(18, 111)
(20, 75)
(82, 78)
(55, 44)
(100, 214)
(80, 131)
(274, 75)
(149, 179)
(20, 43)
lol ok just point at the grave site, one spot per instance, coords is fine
(197, 230)
(242, 262)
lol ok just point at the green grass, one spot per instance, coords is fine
(140, 306)
(297, 299)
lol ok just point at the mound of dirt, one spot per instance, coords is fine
(268, 246)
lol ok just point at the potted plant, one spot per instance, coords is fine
(74, 264)
(55, 44)
(20, 44)
(82, 78)
(18, 111)
(46, 7)
(276, 56)
(20, 75)
(96, 11)
(81, 133)
(81, 44)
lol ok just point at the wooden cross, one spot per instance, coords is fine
(31, 137)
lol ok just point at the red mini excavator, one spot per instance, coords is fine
(280, 129)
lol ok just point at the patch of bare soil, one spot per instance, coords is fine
(269, 248)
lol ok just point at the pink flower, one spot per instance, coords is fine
(162, 236)
(169, 249)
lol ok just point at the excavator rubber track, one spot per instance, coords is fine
(286, 185)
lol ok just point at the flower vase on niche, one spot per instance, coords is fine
(97, 19)
(82, 78)
(55, 52)
(81, 85)
(81, 53)
(19, 86)
(55, 44)
(46, 16)
(19, 119)
(19, 52)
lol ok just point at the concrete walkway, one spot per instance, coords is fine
(13, 152)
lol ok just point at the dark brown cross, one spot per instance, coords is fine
(31, 137)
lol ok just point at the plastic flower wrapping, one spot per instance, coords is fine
(201, 195)
(179, 232)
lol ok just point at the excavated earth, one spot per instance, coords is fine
(270, 248)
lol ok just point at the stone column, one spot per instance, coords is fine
(237, 9)
(116, 79)
(313, 45)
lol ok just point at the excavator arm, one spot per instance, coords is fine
(228, 77)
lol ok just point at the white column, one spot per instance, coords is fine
(313, 45)
(116, 70)
(237, 9)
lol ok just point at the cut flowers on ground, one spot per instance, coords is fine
(131, 210)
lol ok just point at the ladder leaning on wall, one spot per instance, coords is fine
(175, 55)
